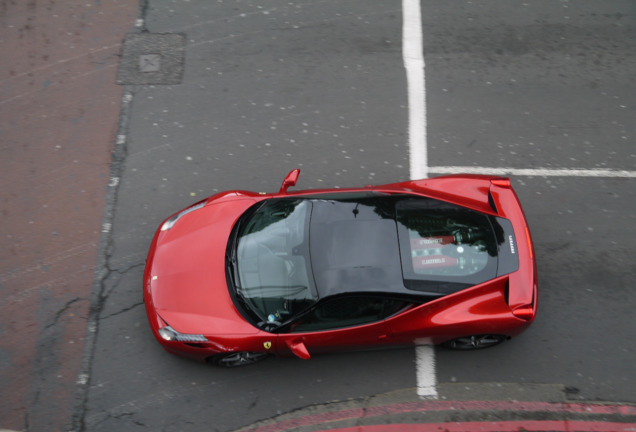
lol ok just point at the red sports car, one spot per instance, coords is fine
(242, 275)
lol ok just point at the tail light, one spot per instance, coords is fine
(525, 312)
(502, 182)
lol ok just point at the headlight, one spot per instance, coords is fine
(170, 334)
(170, 222)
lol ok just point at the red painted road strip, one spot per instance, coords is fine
(457, 406)
(506, 426)
(59, 111)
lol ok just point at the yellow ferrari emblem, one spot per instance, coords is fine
(267, 345)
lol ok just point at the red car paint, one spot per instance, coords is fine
(185, 282)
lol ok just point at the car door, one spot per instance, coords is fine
(342, 323)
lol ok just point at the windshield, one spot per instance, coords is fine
(272, 261)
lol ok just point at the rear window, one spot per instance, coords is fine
(441, 243)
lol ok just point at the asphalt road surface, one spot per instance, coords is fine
(270, 86)
(540, 90)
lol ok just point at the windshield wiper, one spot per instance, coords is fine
(248, 307)
(231, 255)
(233, 270)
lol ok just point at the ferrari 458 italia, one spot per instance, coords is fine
(240, 275)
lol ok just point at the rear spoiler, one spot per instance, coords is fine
(522, 297)
(466, 190)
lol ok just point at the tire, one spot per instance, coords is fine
(474, 342)
(236, 359)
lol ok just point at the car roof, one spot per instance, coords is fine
(355, 247)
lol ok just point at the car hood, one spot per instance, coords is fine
(187, 275)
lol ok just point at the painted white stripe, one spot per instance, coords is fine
(426, 377)
(413, 57)
(534, 172)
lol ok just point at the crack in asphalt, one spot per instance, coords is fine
(121, 311)
(60, 312)
(47, 362)
(117, 277)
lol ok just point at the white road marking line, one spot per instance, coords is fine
(413, 57)
(534, 172)
(426, 376)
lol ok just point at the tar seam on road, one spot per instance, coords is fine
(102, 267)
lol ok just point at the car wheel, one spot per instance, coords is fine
(474, 342)
(234, 359)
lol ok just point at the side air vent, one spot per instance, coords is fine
(196, 345)
(507, 291)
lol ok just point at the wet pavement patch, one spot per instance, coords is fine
(151, 59)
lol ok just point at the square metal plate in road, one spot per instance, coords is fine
(152, 58)
(150, 62)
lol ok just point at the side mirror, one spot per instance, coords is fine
(289, 181)
(299, 349)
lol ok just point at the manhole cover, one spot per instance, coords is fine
(152, 58)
